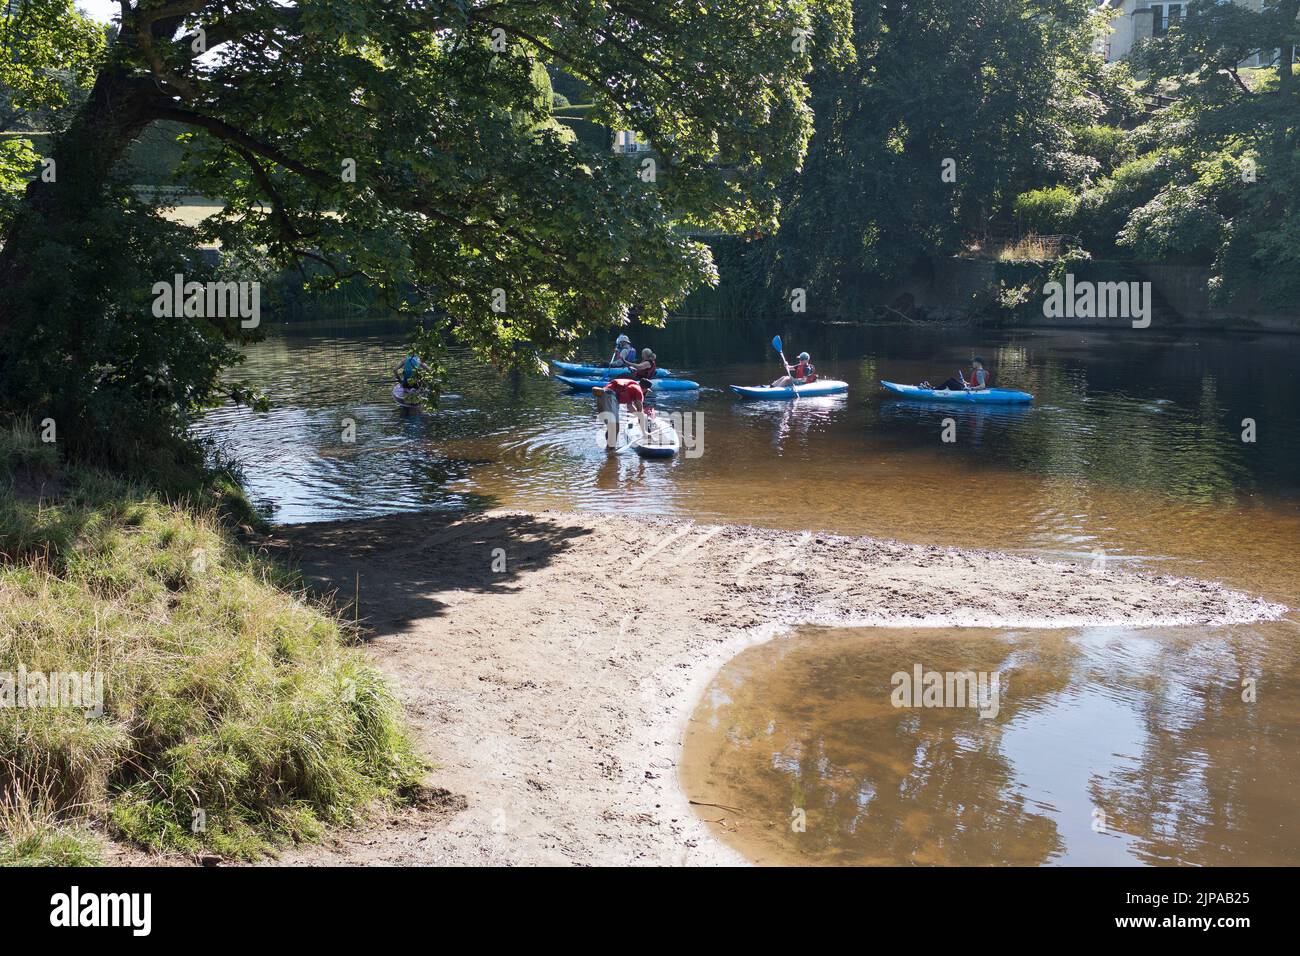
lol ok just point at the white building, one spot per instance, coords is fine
(1136, 20)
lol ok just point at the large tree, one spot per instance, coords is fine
(1230, 150)
(984, 91)
(403, 144)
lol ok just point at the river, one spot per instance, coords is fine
(1110, 746)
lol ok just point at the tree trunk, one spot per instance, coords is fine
(117, 111)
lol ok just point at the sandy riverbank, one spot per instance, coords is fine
(553, 694)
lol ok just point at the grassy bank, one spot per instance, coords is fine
(235, 718)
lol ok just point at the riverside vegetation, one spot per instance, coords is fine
(236, 718)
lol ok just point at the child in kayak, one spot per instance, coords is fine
(801, 374)
(979, 380)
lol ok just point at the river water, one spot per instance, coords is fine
(1109, 746)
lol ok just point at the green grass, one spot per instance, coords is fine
(229, 697)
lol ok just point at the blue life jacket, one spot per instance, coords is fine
(409, 368)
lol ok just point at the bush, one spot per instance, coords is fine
(1103, 211)
(1045, 211)
(1180, 224)
(82, 346)
(1106, 144)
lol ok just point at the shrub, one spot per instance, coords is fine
(1045, 211)
(1179, 224)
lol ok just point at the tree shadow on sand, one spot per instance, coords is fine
(405, 564)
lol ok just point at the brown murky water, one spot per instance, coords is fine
(1132, 454)
(1105, 747)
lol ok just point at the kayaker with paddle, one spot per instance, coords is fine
(979, 380)
(624, 353)
(802, 373)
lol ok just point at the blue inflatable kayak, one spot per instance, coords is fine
(992, 396)
(660, 384)
(598, 371)
(825, 386)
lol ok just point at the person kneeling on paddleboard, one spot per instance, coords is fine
(801, 374)
(979, 380)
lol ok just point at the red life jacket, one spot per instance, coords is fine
(805, 370)
(648, 373)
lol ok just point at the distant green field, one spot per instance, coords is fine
(151, 160)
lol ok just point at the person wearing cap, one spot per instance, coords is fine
(978, 382)
(799, 374)
(624, 353)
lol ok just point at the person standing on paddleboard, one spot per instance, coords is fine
(407, 390)
(801, 374)
(979, 379)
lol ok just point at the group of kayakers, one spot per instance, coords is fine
(634, 388)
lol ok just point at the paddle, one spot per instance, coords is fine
(776, 344)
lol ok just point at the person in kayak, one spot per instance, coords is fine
(624, 353)
(647, 368)
(802, 373)
(979, 380)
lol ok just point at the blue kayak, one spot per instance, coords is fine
(598, 371)
(660, 385)
(992, 396)
(825, 386)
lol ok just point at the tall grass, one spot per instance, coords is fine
(235, 718)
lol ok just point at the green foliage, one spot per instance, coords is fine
(465, 183)
(1179, 225)
(48, 52)
(1103, 210)
(85, 349)
(1108, 145)
(1046, 211)
(1235, 194)
(994, 86)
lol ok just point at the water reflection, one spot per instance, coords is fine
(1109, 747)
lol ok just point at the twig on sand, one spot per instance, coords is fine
(720, 806)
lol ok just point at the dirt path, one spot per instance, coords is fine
(549, 662)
